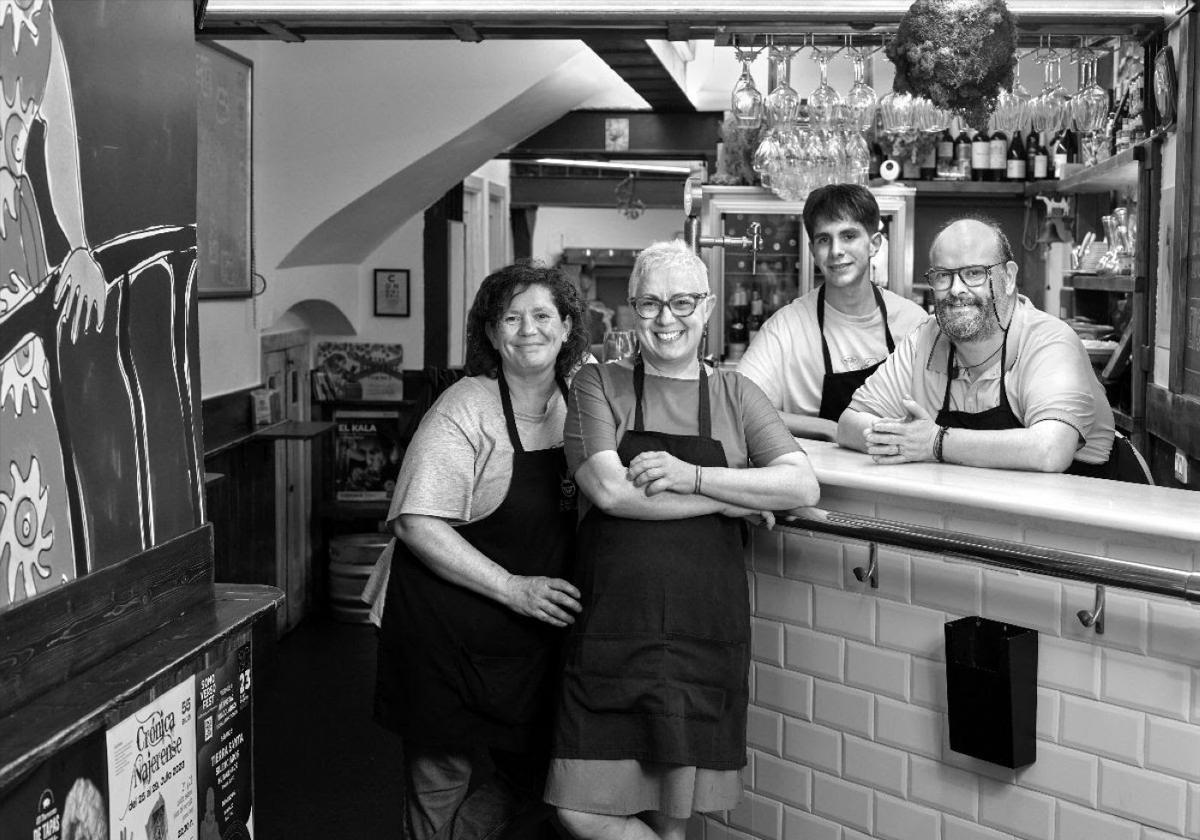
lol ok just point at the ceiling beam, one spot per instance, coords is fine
(652, 136)
(634, 61)
(646, 19)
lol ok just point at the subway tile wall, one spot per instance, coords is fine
(848, 735)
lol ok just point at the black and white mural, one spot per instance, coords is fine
(99, 439)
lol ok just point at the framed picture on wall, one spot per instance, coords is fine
(224, 195)
(391, 292)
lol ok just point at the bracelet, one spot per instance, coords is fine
(939, 442)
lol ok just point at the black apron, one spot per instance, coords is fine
(1001, 416)
(656, 666)
(458, 669)
(838, 388)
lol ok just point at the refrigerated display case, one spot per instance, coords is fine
(751, 283)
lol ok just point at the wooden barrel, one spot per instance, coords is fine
(351, 559)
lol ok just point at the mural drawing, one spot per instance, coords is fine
(98, 448)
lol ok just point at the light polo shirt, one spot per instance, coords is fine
(1048, 376)
(785, 359)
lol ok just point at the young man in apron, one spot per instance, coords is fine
(811, 355)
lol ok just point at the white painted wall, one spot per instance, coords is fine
(332, 121)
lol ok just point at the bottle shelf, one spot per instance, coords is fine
(1119, 172)
(948, 187)
(1101, 282)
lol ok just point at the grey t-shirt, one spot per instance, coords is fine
(602, 409)
(459, 464)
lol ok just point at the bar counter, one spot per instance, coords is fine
(847, 726)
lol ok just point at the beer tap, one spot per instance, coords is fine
(752, 241)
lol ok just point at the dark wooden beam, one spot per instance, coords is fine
(593, 192)
(676, 136)
(437, 274)
(636, 63)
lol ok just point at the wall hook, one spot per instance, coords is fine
(871, 573)
(1094, 617)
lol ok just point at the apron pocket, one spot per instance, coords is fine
(507, 690)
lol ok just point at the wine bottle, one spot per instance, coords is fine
(998, 156)
(962, 154)
(1060, 153)
(929, 163)
(1037, 160)
(981, 156)
(876, 160)
(1015, 163)
(945, 154)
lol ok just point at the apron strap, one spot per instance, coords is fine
(887, 333)
(950, 374)
(639, 388)
(510, 420)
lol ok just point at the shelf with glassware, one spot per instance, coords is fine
(1104, 296)
(750, 286)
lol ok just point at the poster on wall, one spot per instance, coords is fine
(359, 370)
(223, 749)
(152, 769)
(66, 797)
(367, 454)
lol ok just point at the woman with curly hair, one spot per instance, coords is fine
(484, 518)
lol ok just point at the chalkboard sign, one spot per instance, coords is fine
(224, 237)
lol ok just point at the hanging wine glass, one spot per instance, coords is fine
(1090, 109)
(810, 153)
(1012, 106)
(824, 99)
(746, 101)
(896, 111)
(1089, 106)
(1051, 109)
(783, 101)
(768, 158)
(861, 97)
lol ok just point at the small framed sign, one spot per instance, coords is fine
(391, 292)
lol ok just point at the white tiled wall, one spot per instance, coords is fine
(847, 731)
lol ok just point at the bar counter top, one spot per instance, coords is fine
(1151, 512)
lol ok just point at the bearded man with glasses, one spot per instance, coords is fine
(992, 381)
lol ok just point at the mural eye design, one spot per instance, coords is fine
(23, 532)
(23, 13)
(23, 375)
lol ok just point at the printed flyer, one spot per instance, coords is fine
(368, 454)
(152, 769)
(223, 756)
(63, 799)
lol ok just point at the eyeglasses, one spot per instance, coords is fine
(681, 305)
(973, 275)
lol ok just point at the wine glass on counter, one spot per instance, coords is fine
(620, 344)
